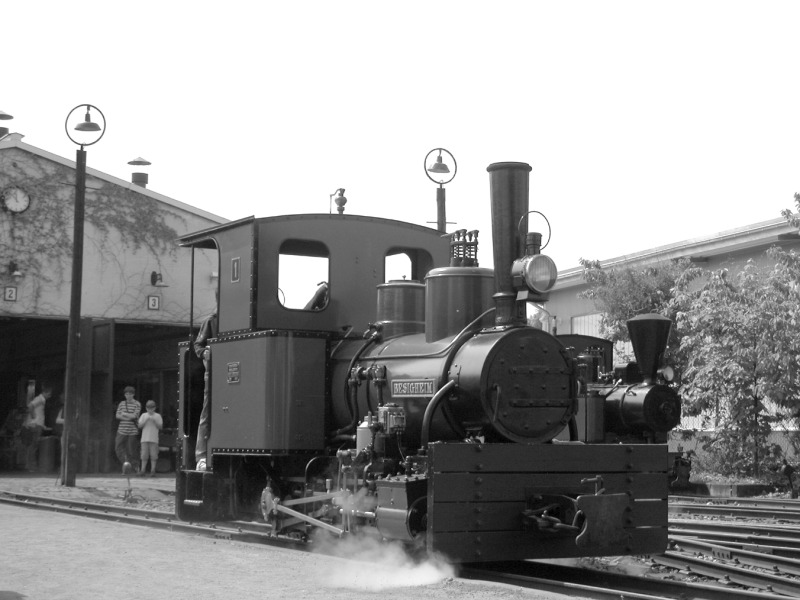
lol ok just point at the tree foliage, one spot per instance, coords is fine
(736, 343)
(793, 218)
(622, 293)
(740, 337)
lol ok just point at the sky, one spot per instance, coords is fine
(646, 123)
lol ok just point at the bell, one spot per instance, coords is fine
(439, 166)
(87, 124)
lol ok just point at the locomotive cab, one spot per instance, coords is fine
(270, 343)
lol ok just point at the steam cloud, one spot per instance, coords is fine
(375, 565)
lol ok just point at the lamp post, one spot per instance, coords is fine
(440, 168)
(89, 133)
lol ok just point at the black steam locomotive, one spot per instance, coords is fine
(429, 413)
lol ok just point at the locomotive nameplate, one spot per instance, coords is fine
(410, 388)
(234, 372)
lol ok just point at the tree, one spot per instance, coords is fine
(622, 293)
(792, 218)
(740, 337)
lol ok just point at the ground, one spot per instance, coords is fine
(46, 555)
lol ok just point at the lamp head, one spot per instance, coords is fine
(156, 280)
(87, 124)
(439, 166)
(13, 270)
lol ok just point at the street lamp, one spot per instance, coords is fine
(89, 132)
(441, 169)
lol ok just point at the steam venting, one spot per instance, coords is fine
(649, 334)
(509, 194)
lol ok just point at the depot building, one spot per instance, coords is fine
(135, 301)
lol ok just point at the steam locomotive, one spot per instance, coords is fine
(424, 409)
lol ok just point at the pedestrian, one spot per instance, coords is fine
(34, 426)
(127, 440)
(207, 331)
(150, 423)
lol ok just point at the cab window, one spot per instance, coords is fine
(303, 275)
(407, 263)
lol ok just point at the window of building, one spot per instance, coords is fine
(303, 275)
(586, 324)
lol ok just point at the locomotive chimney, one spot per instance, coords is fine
(509, 194)
(649, 334)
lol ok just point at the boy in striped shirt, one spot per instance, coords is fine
(127, 442)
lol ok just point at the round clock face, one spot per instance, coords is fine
(16, 200)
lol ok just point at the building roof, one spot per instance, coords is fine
(14, 140)
(702, 249)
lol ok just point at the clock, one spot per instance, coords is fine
(16, 200)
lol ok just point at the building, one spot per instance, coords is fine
(731, 249)
(135, 301)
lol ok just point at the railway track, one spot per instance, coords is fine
(763, 509)
(240, 530)
(708, 551)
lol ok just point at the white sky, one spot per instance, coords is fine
(646, 123)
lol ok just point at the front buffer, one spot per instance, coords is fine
(494, 502)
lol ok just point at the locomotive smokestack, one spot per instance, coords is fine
(649, 334)
(509, 194)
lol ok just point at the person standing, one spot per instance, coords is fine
(202, 350)
(33, 427)
(127, 433)
(150, 423)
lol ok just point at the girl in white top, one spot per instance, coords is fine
(150, 423)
